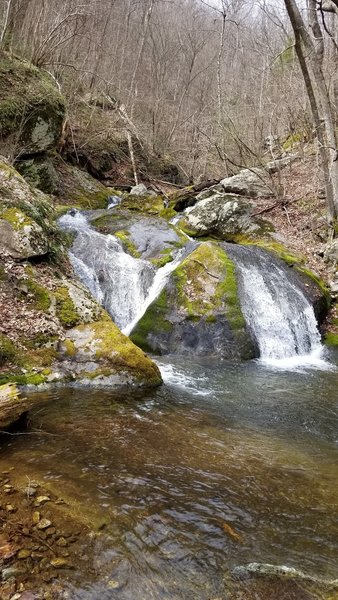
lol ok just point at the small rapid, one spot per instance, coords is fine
(124, 285)
(279, 315)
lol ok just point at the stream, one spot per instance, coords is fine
(223, 465)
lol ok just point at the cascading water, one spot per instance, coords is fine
(124, 285)
(281, 318)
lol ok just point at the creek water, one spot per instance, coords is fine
(223, 465)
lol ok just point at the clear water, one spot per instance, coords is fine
(170, 470)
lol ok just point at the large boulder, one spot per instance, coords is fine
(32, 110)
(198, 312)
(224, 216)
(149, 237)
(253, 183)
(44, 311)
(99, 353)
(12, 406)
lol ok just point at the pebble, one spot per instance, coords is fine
(9, 572)
(58, 563)
(41, 500)
(36, 517)
(62, 542)
(43, 524)
(23, 553)
(51, 531)
(10, 508)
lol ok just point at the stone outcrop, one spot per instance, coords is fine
(198, 312)
(52, 329)
(32, 110)
(224, 216)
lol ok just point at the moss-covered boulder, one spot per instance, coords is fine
(27, 226)
(20, 236)
(32, 109)
(252, 183)
(198, 312)
(223, 216)
(41, 303)
(12, 406)
(99, 353)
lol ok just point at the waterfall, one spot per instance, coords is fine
(124, 285)
(279, 315)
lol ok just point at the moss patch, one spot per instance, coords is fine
(8, 352)
(331, 339)
(155, 318)
(152, 205)
(41, 297)
(16, 218)
(127, 244)
(65, 308)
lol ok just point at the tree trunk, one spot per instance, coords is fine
(318, 95)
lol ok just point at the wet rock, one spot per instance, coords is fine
(59, 563)
(23, 554)
(43, 524)
(12, 571)
(41, 500)
(198, 312)
(36, 517)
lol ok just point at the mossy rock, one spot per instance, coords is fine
(198, 312)
(102, 350)
(32, 109)
(152, 205)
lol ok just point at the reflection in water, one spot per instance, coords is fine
(195, 478)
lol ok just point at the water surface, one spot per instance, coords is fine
(224, 465)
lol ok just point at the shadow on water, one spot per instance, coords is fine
(222, 466)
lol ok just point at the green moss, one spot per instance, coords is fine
(23, 378)
(228, 290)
(70, 349)
(65, 308)
(331, 339)
(127, 244)
(16, 218)
(166, 256)
(27, 95)
(155, 318)
(291, 141)
(117, 349)
(317, 280)
(8, 351)
(3, 274)
(41, 298)
(152, 205)
(168, 213)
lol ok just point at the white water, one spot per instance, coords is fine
(279, 315)
(155, 289)
(124, 285)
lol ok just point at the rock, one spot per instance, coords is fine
(32, 110)
(273, 166)
(43, 524)
(198, 312)
(331, 253)
(34, 121)
(41, 500)
(59, 563)
(253, 183)
(9, 572)
(36, 517)
(139, 190)
(11, 405)
(225, 216)
(23, 554)
(283, 572)
(100, 354)
(20, 236)
(145, 236)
